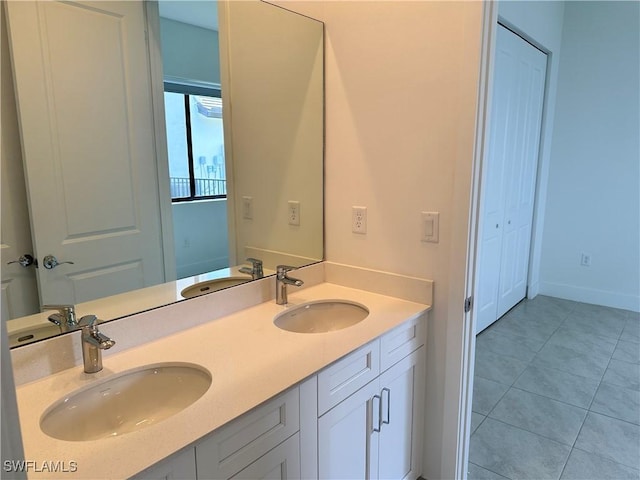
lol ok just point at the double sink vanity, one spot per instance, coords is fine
(330, 385)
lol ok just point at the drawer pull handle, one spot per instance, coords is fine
(377, 429)
(387, 421)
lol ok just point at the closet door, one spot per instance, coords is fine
(520, 168)
(509, 175)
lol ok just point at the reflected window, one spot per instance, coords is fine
(195, 143)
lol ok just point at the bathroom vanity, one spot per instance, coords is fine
(281, 404)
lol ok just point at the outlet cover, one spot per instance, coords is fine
(294, 212)
(359, 220)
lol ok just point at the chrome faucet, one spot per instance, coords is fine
(93, 342)
(65, 318)
(255, 270)
(282, 280)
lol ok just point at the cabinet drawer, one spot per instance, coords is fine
(338, 381)
(281, 463)
(236, 445)
(401, 341)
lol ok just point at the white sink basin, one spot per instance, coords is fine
(126, 402)
(212, 285)
(321, 316)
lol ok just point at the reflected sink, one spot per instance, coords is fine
(321, 316)
(212, 285)
(126, 402)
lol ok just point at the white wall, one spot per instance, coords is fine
(273, 129)
(189, 52)
(200, 235)
(593, 202)
(540, 22)
(199, 228)
(401, 92)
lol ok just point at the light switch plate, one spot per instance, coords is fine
(430, 226)
(247, 208)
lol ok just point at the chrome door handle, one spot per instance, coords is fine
(50, 262)
(25, 261)
(387, 421)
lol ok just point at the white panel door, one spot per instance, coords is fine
(19, 289)
(84, 100)
(524, 135)
(492, 199)
(508, 177)
(347, 447)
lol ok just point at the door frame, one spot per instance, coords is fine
(483, 122)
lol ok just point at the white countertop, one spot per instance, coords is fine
(250, 361)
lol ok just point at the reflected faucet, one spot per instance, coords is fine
(255, 270)
(282, 280)
(93, 342)
(65, 318)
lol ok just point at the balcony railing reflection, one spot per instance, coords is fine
(205, 187)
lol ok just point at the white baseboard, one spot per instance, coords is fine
(593, 296)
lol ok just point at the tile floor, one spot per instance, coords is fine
(557, 394)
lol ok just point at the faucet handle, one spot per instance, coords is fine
(283, 269)
(255, 262)
(66, 314)
(256, 267)
(88, 321)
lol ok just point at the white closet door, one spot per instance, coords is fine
(83, 92)
(509, 176)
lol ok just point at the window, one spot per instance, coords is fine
(195, 142)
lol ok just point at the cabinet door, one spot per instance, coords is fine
(181, 466)
(346, 446)
(281, 463)
(402, 391)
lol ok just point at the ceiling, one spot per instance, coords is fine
(201, 13)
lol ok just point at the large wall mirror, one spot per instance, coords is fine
(151, 149)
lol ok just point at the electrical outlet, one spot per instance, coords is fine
(247, 208)
(359, 219)
(585, 260)
(294, 212)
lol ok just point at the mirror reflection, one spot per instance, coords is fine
(150, 175)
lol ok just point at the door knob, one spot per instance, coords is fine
(50, 262)
(25, 261)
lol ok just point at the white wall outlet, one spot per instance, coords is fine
(430, 226)
(294, 212)
(359, 219)
(585, 260)
(247, 208)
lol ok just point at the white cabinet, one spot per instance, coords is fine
(344, 436)
(400, 437)
(376, 430)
